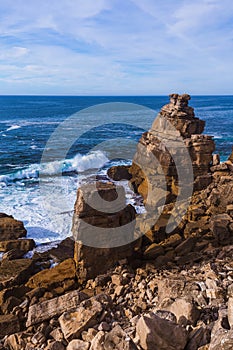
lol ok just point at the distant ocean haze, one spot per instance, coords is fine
(26, 124)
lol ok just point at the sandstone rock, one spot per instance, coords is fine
(170, 288)
(56, 345)
(57, 276)
(15, 272)
(231, 156)
(9, 304)
(54, 307)
(77, 344)
(97, 342)
(11, 229)
(9, 324)
(102, 237)
(73, 323)
(89, 335)
(157, 333)
(220, 227)
(153, 251)
(13, 254)
(216, 159)
(118, 173)
(17, 341)
(198, 337)
(57, 334)
(154, 169)
(186, 311)
(230, 312)
(186, 246)
(63, 251)
(117, 339)
(17, 292)
(20, 244)
(221, 339)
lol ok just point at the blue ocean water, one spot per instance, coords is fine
(27, 123)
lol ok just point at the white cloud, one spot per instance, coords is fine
(115, 46)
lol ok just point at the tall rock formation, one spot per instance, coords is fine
(103, 228)
(172, 160)
(159, 148)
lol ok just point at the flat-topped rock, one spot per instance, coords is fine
(54, 277)
(103, 228)
(10, 228)
(15, 272)
(20, 244)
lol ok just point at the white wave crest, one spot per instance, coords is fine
(13, 127)
(78, 163)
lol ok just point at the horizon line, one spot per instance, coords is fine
(143, 95)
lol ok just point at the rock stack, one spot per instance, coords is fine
(103, 228)
(177, 295)
(161, 149)
(173, 159)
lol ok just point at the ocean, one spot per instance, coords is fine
(38, 186)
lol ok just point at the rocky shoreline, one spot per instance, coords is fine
(161, 290)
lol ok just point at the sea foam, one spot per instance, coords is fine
(79, 163)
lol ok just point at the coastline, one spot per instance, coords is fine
(163, 289)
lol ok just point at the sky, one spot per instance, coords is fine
(116, 47)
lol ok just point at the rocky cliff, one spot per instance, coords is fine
(172, 290)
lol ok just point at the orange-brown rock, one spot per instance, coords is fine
(160, 149)
(15, 272)
(57, 276)
(103, 228)
(21, 244)
(231, 156)
(9, 324)
(54, 307)
(120, 172)
(10, 228)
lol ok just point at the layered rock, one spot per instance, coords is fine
(173, 159)
(10, 228)
(103, 228)
(161, 150)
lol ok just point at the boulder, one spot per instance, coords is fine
(230, 311)
(54, 307)
(220, 226)
(74, 322)
(171, 288)
(221, 337)
(97, 342)
(186, 311)
(78, 344)
(23, 245)
(199, 337)
(120, 172)
(57, 276)
(63, 251)
(158, 333)
(231, 156)
(10, 228)
(103, 228)
(15, 272)
(9, 324)
(16, 341)
(56, 345)
(117, 339)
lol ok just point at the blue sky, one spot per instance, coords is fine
(116, 47)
